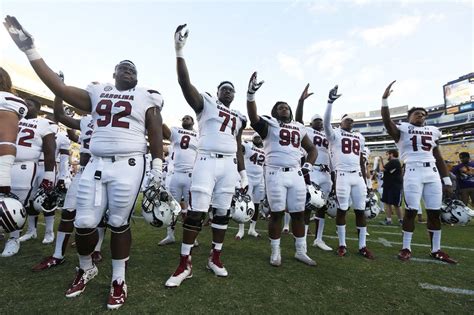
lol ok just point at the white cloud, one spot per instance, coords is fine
(290, 65)
(323, 7)
(330, 55)
(402, 27)
(436, 17)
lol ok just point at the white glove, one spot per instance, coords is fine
(156, 172)
(244, 181)
(254, 85)
(333, 95)
(21, 37)
(180, 40)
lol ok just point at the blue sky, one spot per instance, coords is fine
(361, 45)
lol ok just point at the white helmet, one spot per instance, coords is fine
(315, 198)
(242, 208)
(372, 208)
(159, 208)
(454, 211)
(264, 207)
(12, 215)
(332, 205)
(45, 202)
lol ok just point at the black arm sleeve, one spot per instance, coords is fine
(261, 127)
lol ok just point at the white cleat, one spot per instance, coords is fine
(215, 265)
(253, 233)
(169, 239)
(305, 259)
(183, 272)
(275, 257)
(322, 245)
(48, 238)
(28, 236)
(12, 246)
(80, 281)
(196, 243)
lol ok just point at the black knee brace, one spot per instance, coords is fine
(120, 229)
(85, 231)
(68, 216)
(193, 221)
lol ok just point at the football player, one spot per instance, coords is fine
(35, 136)
(214, 175)
(184, 141)
(426, 175)
(254, 158)
(68, 214)
(284, 178)
(321, 174)
(348, 163)
(12, 109)
(123, 114)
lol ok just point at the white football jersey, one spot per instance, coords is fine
(416, 144)
(87, 128)
(283, 142)
(184, 143)
(119, 119)
(254, 159)
(218, 126)
(29, 144)
(346, 150)
(62, 143)
(13, 103)
(321, 143)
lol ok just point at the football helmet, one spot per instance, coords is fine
(315, 198)
(12, 215)
(159, 208)
(264, 207)
(372, 208)
(332, 205)
(45, 202)
(241, 208)
(454, 211)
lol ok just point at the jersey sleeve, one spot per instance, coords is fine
(10, 102)
(174, 133)
(156, 99)
(45, 128)
(65, 143)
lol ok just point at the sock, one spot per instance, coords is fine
(85, 262)
(32, 219)
(435, 240)
(287, 220)
(170, 232)
(49, 222)
(306, 230)
(118, 269)
(362, 236)
(275, 242)
(186, 249)
(319, 235)
(101, 232)
(58, 248)
(388, 219)
(217, 246)
(241, 229)
(341, 234)
(407, 240)
(300, 244)
(252, 225)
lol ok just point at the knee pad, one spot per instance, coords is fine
(221, 218)
(193, 221)
(120, 229)
(411, 213)
(68, 216)
(85, 222)
(116, 221)
(85, 231)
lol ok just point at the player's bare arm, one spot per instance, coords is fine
(309, 147)
(390, 126)
(61, 116)
(191, 94)
(49, 150)
(299, 108)
(72, 135)
(253, 87)
(78, 98)
(153, 124)
(443, 172)
(363, 169)
(327, 114)
(240, 155)
(166, 132)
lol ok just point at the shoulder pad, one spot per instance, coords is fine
(153, 91)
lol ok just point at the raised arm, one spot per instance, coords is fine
(72, 135)
(390, 126)
(327, 114)
(299, 108)
(166, 132)
(191, 94)
(258, 124)
(78, 98)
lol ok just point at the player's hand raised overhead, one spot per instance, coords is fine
(254, 85)
(388, 90)
(180, 39)
(305, 93)
(333, 95)
(20, 36)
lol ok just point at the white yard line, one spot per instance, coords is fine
(446, 289)
(429, 261)
(384, 226)
(386, 233)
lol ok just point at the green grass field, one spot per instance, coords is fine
(336, 285)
